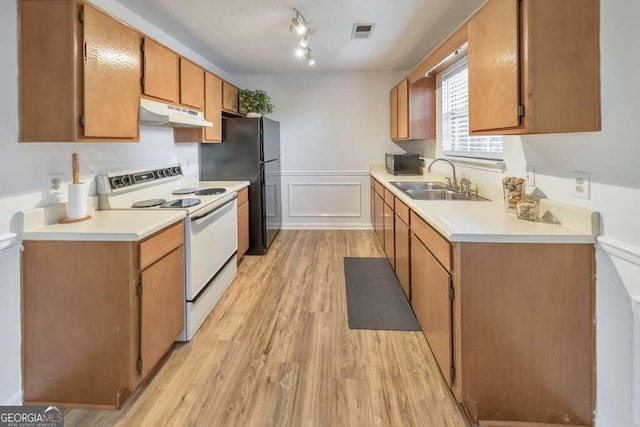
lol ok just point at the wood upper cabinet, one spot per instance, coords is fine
(161, 71)
(534, 67)
(191, 84)
(89, 96)
(243, 222)
(98, 316)
(431, 302)
(213, 107)
(212, 113)
(413, 110)
(230, 98)
(393, 103)
(403, 110)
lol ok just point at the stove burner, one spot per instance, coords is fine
(148, 203)
(185, 191)
(210, 191)
(182, 203)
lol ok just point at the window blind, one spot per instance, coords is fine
(455, 120)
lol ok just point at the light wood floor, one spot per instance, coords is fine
(276, 351)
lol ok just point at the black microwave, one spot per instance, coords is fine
(402, 164)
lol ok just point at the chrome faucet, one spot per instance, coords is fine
(453, 167)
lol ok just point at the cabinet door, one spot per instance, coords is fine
(160, 72)
(494, 76)
(112, 70)
(191, 84)
(403, 110)
(161, 308)
(389, 238)
(373, 207)
(431, 302)
(213, 107)
(230, 100)
(402, 250)
(393, 107)
(378, 223)
(243, 228)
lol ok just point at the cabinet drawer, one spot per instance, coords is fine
(402, 211)
(161, 244)
(379, 188)
(437, 245)
(389, 197)
(243, 195)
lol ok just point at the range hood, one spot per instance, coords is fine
(156, 113)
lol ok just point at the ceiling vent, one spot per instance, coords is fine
(362, 31)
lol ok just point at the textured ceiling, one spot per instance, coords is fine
(252, 36)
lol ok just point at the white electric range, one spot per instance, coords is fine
(210, 226)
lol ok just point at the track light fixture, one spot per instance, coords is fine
(298, 23)
(300, 27)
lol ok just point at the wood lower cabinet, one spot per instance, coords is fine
(378, 221)
(230, 98)
(243, 222)
(161, 318)
(511, 325)
(431, 301)
(413, 110)
(71, 87)
(98, 316)
(389, 232)
(161, 78)
(191, 84)
(524, 332)
(403, 254)
(534, 67)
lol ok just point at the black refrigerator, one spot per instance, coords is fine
(250, 151)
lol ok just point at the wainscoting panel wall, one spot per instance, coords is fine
(325, 200)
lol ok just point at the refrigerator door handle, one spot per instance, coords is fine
(268, 161)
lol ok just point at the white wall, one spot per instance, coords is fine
(612, 157)
(332, 126)
(23, 168)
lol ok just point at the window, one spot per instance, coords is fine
(455, 120)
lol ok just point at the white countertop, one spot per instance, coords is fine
(112, 225)
(488, 221)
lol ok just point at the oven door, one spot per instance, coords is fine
(211, 239)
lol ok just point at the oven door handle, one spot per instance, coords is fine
(214, 210)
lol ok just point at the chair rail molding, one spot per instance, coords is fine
(8, 240)
(620, 250)
(326, 173)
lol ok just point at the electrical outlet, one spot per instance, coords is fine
(530, 177)
(581, 185)
(54, 185)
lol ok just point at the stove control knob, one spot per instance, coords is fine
(174, 171)
(125, 180)
(115, 182)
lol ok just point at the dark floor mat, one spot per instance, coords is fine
(375, 299)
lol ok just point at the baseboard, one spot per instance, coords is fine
(327, 226)
(15, 400)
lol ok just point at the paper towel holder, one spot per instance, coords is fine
(75, 167)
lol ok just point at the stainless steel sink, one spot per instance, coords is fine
(442, 195)
(417, 186)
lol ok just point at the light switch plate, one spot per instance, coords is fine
(581, 185)
(530, 176)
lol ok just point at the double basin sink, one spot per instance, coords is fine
(434, 191)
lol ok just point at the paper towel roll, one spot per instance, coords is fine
(78, 200)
